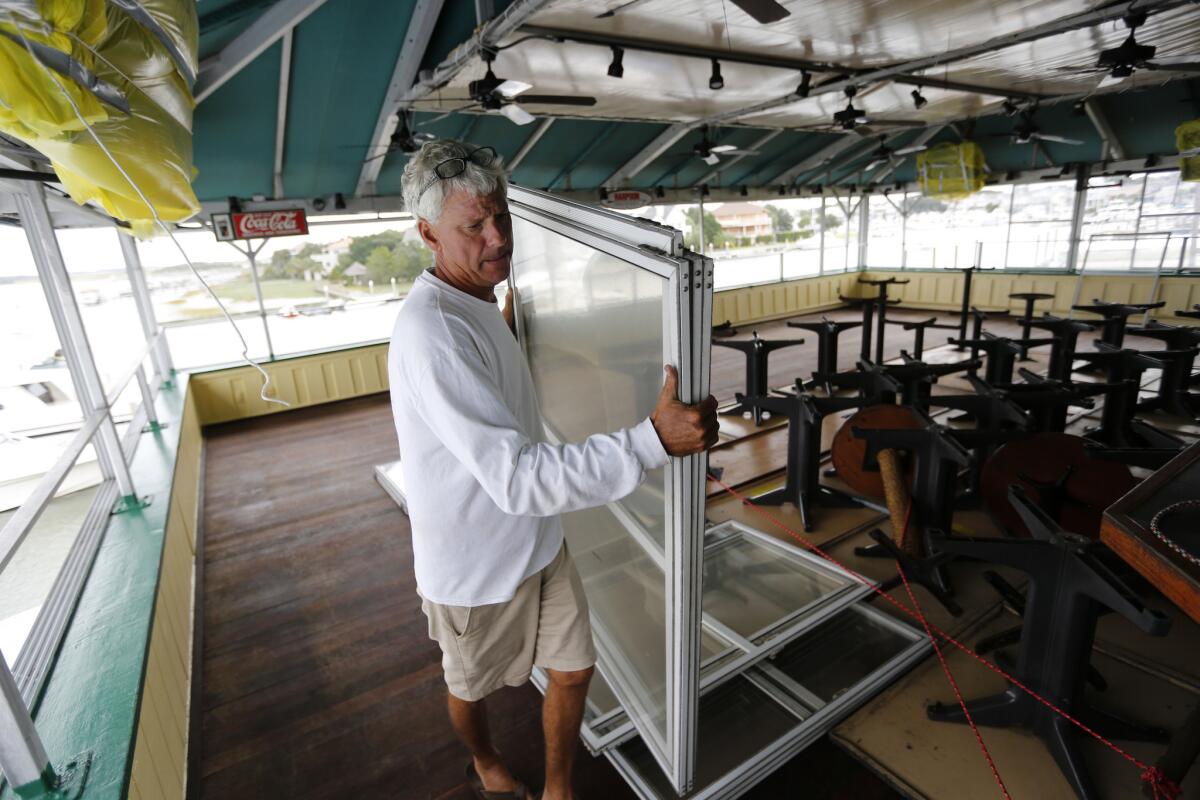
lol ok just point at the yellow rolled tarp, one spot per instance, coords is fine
(147, 129)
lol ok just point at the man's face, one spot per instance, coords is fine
(472, 240)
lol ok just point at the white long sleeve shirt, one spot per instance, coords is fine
(484, 488)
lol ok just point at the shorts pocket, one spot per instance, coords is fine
(458, 618)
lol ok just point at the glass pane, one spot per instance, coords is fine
(839, 653)
(593, 328)
(27, 578)
(945, 234)
(731, 271)
(749, 586)
(737, 720)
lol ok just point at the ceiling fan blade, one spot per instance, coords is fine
(723, 148)
(558, 99)
(711, 159)
(516, 114)
(1078, 69)
(1049, 137)
(615, 9)
(763, 11)
(907, 151)
(897, 123)
(876, 163)
(740, 152)
(1167, 65)
(513, 88)
(1109, 80)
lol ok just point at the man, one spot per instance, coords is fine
(484, 489)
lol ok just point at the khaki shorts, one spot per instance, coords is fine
(487, 647)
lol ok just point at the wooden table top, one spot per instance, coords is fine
(1126, 529)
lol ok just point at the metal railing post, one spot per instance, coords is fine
(56, 283)
(147, 399)
(141, 298)
(23, 758)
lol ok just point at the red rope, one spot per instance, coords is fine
(903, 534)
(1163, 787)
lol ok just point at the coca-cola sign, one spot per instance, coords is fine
(260, 224)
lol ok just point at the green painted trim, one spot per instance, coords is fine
(92, 699)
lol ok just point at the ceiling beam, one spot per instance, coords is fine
(848, 156)
(528, 144)
(1112, 147)
(416, 41)
(647, 154)
(825, 154)
(724, 165)
(276, 21)
(1085, 19)
(759, 60)
(281, 109)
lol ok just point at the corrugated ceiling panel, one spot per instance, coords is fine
(342, 61)
(234, 142)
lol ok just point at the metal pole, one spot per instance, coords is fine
(251, 254)
(141, 298)
(1157, 277)
(23, 757)
(56, 283)
(147, 398)
(1137, 225)
(821, 231)
(703, 236)
(1012, 197)
(864, 230)
(1077, 209)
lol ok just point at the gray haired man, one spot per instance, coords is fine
(484, 489)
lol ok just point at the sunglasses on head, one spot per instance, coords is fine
(453, 167)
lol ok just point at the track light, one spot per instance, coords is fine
(704, 190)
(805, 83)
(715, 81)
(782, 189)
(745, 192)
(1010, 108)
(659, 193)
(616, 69)
(918, 100)
(603, 194)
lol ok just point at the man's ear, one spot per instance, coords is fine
(429, 236)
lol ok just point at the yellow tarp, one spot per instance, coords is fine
(951, 171)
(152, 141)
(1187, 137)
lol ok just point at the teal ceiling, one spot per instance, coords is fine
(344, 53)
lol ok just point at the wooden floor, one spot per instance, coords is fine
(318, 678)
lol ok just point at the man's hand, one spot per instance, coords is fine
(508, 311)
(683, 429)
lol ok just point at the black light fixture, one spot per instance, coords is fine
(704, 190)
(805, 83)
(1010, 108)
(919, 100)
(1080, 108)
(616, 69)
(659, 193)
(339, 201)
(782, 189)
(715, 81)
(1151, 161)
(745, 192)
(603, 194)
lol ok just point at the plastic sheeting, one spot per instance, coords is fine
(847, 33)
(127, 86)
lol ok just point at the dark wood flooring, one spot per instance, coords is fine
(318, 678)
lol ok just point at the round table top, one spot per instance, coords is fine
(848, 451)
(1031, 296)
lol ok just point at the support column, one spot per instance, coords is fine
(864, 230)
(1082, 172)
(60, 298)
(161, 354)
(23, 758)
(252, 254)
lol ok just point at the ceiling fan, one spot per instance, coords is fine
(862, 123)
(499, 96)
(1025, 132)
(403, 139)
(1122, 61)
(711, 153)
(763, 11)
(888, 155)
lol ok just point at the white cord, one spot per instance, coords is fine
(154, 211)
